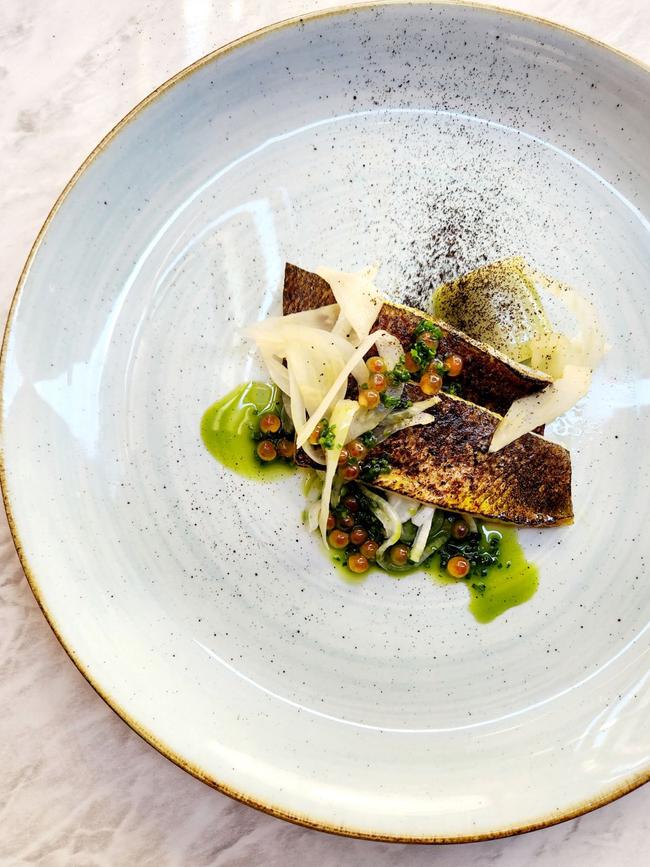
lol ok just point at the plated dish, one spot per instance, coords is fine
(366, 394)
(434, 139)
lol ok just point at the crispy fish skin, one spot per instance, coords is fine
(304, 290)
(488, 378)
(447, 464)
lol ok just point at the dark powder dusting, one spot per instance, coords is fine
(455, 239)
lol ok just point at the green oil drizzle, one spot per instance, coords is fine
(338, 561)
(229, 428)
(512, 581)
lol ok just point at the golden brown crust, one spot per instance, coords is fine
(487, 379)
(447, 464)
(304, 290)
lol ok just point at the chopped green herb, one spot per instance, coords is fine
(395, 402)
(399, 373)
(368, 439)
(374, 468)
(422, 354)
(327, 438)
(452, 388)
(427, 325)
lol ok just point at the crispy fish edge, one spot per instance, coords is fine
(488, 379)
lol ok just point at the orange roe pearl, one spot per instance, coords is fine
(430, 382)
(458, 567)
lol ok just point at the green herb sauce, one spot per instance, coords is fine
(512, 581)
(230, 430)
(230, 427)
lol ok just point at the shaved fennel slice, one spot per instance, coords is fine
(357, 296)
(316, 357)
(277, 371)
(343, 327)
(388, 517)
(320, 317)
(340, 421)
(422, 405)
(313, 514)
(286, 405)
(299, 416)
(405, 418)
(315, 372)
(321, 410)
(318, 353)
(389, 348)
(422, 520)
(404, 507)
(553, 350)
(313, 487)
(367, 419)
(298, 411)
(393, 426)
(527, 413)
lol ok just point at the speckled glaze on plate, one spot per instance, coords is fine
(431, 138)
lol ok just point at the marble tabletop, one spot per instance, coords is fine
(78, 787)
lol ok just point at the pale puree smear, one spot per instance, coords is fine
(415, 429)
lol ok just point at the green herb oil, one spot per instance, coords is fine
(511, 581)
(230, 428)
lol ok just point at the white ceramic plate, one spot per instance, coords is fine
(430, 138)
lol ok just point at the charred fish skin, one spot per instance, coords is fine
(488, 378)
(304, 290)
(447, 464)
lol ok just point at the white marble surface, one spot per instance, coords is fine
(77, 786)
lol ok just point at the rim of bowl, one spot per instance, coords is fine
(586, 806)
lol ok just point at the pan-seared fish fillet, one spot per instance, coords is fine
(488, 378)
(447, 464)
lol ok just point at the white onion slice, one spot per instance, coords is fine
(341, 418)
(320, 412)
(357, 296)
(527, 413)
(422, 520)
